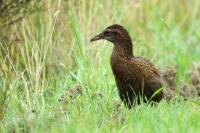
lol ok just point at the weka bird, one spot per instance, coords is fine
(136, 78)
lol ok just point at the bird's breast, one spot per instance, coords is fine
(122, 70)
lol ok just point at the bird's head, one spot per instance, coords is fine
(114, 33)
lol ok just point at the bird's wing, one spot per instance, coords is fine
(137, 72)
(147, 67)
(151, 75)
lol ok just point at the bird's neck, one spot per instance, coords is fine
(123, 49)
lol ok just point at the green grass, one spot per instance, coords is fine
(54, 53)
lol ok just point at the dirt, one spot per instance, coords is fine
(169, 76)
(195, 78)
(71, 94)
(97, 95)
(186, 90)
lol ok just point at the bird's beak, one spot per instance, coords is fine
(98, 37)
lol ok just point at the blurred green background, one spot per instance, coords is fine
(45, 49)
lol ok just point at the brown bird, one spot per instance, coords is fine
(137, 79)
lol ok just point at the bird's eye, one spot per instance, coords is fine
(106, 32)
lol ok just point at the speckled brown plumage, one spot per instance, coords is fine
(135, 77)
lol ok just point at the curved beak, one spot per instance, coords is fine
(98, 37)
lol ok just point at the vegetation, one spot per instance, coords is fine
(49, 51)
